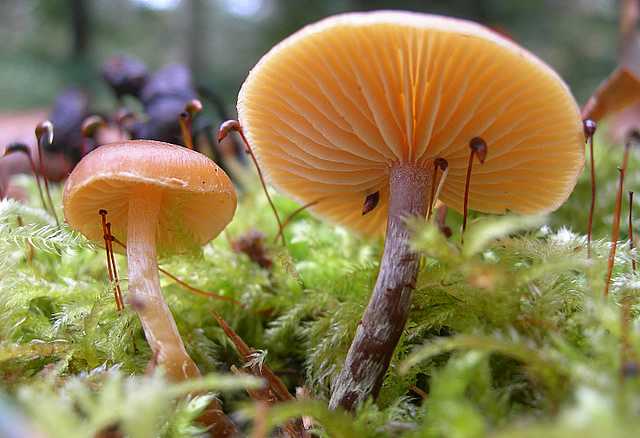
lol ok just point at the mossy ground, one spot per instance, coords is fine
(509, 335)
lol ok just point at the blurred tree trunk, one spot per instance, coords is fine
(80, 25)
(196, 35)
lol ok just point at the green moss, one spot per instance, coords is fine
(508, 335)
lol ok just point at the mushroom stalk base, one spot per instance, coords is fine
(144, 287)
(384, 319)
(146, 298)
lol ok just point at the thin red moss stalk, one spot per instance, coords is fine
(186, 285)
(22, 148)
(615, 228)
(112, 256)
(293, 214)
(89, 127)
(589, 132)
(111, 262)
(197, 291)
(631, 243)
(234, 125)
(442, 164)
(478, 148)
(185, 120)
(626, 352)
(44, 133)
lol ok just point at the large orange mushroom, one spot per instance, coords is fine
(365, 103)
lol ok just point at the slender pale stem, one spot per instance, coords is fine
(384, 319)
(144, 286)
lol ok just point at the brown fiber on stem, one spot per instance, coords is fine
(364, 103)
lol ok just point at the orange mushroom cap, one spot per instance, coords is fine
(198, 198)
(331, 108)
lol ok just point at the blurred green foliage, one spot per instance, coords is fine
(223, 39)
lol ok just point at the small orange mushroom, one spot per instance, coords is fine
(365, 103)
(161, 199)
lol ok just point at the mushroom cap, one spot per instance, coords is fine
(198, 199)
(331, 108)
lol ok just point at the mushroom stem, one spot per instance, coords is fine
(384, 319)
(144, 286)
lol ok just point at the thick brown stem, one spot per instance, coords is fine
(381, 326)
